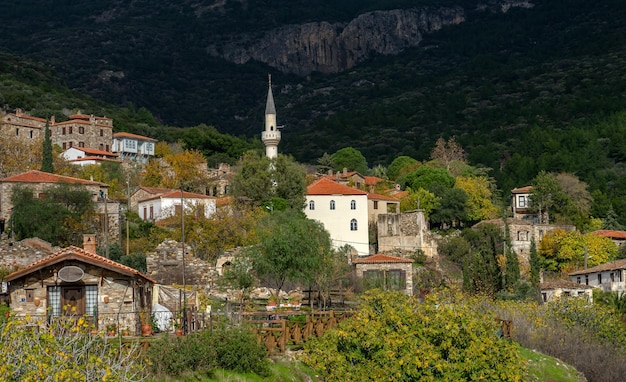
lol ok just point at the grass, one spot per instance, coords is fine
(542, 368)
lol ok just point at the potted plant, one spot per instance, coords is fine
(111, 329)
(126, 332)
(272, 303)
(146, 324)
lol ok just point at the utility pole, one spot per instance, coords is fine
(127, 211)
(182, 231)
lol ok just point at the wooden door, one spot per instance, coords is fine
(73, 300)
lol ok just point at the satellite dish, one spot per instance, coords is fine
(71, 273)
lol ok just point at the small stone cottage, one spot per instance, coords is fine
(78, 282)
(386, 272)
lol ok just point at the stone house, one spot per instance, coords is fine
(555, 289)
(385, 272)
(407, 231)
(82, 130)
(108, 210)
(610, 277)
(347, 178)
(378, 204)
(21, 125)
(520, 204)
(78, 282)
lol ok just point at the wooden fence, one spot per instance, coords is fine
(277, 330)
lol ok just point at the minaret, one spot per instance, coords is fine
(271, 135)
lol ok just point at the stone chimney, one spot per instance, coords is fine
(345, 172)
(89, 243)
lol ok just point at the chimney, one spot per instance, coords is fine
(345, 171)
(89, 243)
(330, 172)
(52, 119)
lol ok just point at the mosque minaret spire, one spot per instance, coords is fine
(270, 136)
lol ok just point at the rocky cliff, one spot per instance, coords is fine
(334, 47)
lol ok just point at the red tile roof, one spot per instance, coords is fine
(87, 150)
(96, 159)
(75, 253)
(134, 136)
(24, 116)
(611, 234)
(381, 259)
(326, 186)
(522, 190)
(382, 197)
(176, 194)
(156, 190)
(35, 176)
(610, 266)
(373, 180)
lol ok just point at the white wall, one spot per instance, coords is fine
(337, 221)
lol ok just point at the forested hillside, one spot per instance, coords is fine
(530, 89)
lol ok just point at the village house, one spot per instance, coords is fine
(21, 125)
(617, 237)
(555, 289)
(82, 130)
(77, 282)
(385, 272)
(168, 204)
(133, 147)
(109, 210)
(343, 212)
(610, 277)
(407, 231)
(83, 156)
(378, 204)
(347, 178)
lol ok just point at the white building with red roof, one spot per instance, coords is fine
(343, 212)
(165, 205)
(84, 156)
(133, 147)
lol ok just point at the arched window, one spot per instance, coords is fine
(353, 204)
(353, 225)
(311, 205)
(332, 204)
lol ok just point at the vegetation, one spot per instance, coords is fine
(393, 336)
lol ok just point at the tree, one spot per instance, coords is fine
(325, 163)
(18, 155)
(46, 150)
(351, 159)
(447, 152)
(451, 211)
(402, 165)
(420, 200)
(60, 218)
(479, 202)
(395, 337)
(535, 265)
(435, 180)
(545, 193)
(291, 248)
(511, 272)
(563, 251)
(261, 180)
(482, 272)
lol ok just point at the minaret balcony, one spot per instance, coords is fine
(270, 136)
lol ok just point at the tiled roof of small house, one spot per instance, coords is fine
(382, 197)
(381, 258)
(24, 116)
(87, 150)
(224, 201)
(76, 253)
(372, 180)
(610, 266)
(326, 186)
(133, 136)
(522, 190)
(155, 190)
(95, 159)
(562, 284)
(35, 176)
(176, 194)
(611, 234)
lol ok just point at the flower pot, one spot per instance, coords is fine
(111, 333)
(178, 332)
(146, 330)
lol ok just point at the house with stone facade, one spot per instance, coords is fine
(378, 204)
(77, 282)
(23, 126)
(38, 181)
(385, 272)
(406, 232)
(343, 212)
(82, 130)
(133, 147)
(556, 289)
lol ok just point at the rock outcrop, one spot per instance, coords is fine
(333, 47)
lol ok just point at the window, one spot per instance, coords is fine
(521, 201)
(31, 134)
(71, 129)
(145, 213)
(152, 211)
(599, 278)
(375, 204)
(332, 204)
(71, 144)
(612, 276)
(101, 146)
(91, 300)
(578, 279)
(64, 145)
(522, 235)
(106, 148)
(81, 130)
(353, 225)
(586, 279)
(311, 205)
(54, 300)
(353, 204)
(81, 144)
(63, 131)
(17, 132)
(101, 132)
(130, 144)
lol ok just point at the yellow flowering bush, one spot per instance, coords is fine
(393, 337)
(63, 351)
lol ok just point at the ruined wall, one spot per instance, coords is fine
(166, 266)
(408, 231)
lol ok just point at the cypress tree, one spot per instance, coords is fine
(46, 159)
(512, 261)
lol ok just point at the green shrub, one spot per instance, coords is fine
(203, 352)
(395, 337)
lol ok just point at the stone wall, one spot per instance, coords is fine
(408, 231)
(19, 254)
(166, 266)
